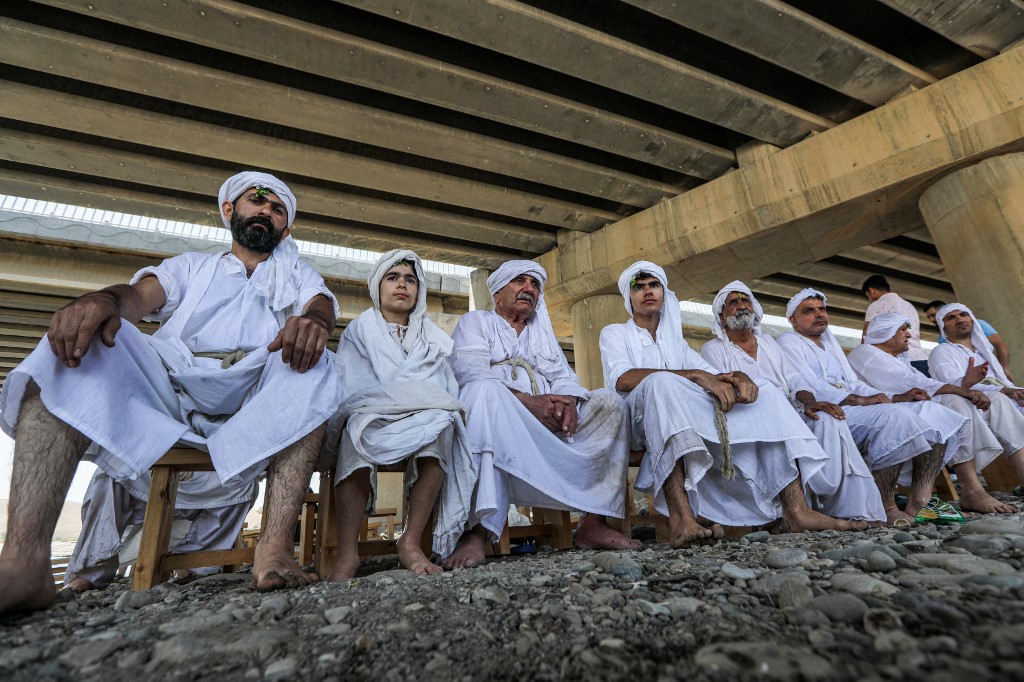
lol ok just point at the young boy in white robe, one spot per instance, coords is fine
(401, 404)
(922, 433)
(671, 392)
(844, 487)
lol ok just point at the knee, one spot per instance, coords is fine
(606, 399)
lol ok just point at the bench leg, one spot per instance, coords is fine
(944, 486)
(326, 527)
(561, 526)
(307, 532)
(1001, 476)
(156, 529)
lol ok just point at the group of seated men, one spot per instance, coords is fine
(750, 432)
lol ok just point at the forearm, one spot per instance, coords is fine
(950, 389)
(627, 381)
(133, 302)
(320, 310)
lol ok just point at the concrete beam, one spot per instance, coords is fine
(985, 27)
(798, 42)
(229, 26)
(824, 273)
(170, 135)
(93, 61)
(852, 186)
(545, 39)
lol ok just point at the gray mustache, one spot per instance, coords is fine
(527, 297)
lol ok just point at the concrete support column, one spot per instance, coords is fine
(976, 216)
(589, 317)
(479, 296)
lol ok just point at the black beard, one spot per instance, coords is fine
(249, 233)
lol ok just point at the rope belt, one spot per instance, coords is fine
(515, 364)
(993, 381)
(226, 359)
(722, 426)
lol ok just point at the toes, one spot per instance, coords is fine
(269, 581)
(717, 532)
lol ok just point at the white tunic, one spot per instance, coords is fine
(139, 398)
(948, 363)
(887, 434)
(844, 487)
(987, 433)
(673, 418)
(518, 459)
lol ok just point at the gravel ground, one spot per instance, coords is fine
(928, 603)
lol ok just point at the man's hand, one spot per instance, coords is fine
(811, 410)
(979, 399)
(716, 386)
(1015, 394)
(301, 341)
(555, 412)
(974, 373)
(863, 400)
(912, 396)
(746, 390)
(73, 327)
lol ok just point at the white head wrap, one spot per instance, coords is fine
(278, 280)
(828, 340)
(670, 325)
(717, 328)
(883, 327)
(237, 184)
(978, 339)
(542, 334)
(419, 311)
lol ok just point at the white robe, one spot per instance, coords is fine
(844, 487)
(518, 459)
(948, 363)
(673, 418)
(136, 400)
(401, 404)
(999, 429)
(887, 434)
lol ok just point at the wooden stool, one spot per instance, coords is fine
(631, 517)
(1001, 476)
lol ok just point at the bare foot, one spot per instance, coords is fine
(345, 567)
(984, 503)
(687, 531)
(276, 569)
(470, 550)
(79, 585)
(412, 558)
(808, 519)
(593, 532)
(897, 519)
(25, 589)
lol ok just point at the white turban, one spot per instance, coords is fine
(795, 302)
(278, 281)
(719, 304)
(419, 311)
(828, 340)
(670, 325)
(236, 185)
(883, 327)
(542, 334)
(978, 339)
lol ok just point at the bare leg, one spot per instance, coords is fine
(287, 479)
(45, 456)
(350, 497)
(973, 496)
(593, 532)
(1017, 460)
(798, 517)
(683, 528)
(926, 468)
(886, 479)
(422, 498)
(470, 550)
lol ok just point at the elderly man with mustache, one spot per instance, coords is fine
(536, 436)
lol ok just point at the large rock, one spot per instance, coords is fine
(762, 660)
(784, 557)
(863, 551)
(1012, 525)
(840, 607)
(769, 585)
(980, 544)
(966, 564)
(858, 583)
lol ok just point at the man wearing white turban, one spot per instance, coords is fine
(844, 487)
(401, 404)
(237, 367)
(994, 425)
(537, 437)
(888, 434)
(747, 474)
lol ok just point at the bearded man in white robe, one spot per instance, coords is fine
(747, 474)
(844, 487)
(401, 404)
(919, 432)
(237, 367)
(538, 438)
(994, 426)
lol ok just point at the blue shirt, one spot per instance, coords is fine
(988, 329)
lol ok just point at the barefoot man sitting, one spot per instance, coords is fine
(742, 469)
(844, 487)
(401, 404)
(890, 435)
(996, 427)
(538, 438)
(237, 367)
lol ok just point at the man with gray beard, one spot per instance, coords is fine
(844, 488)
